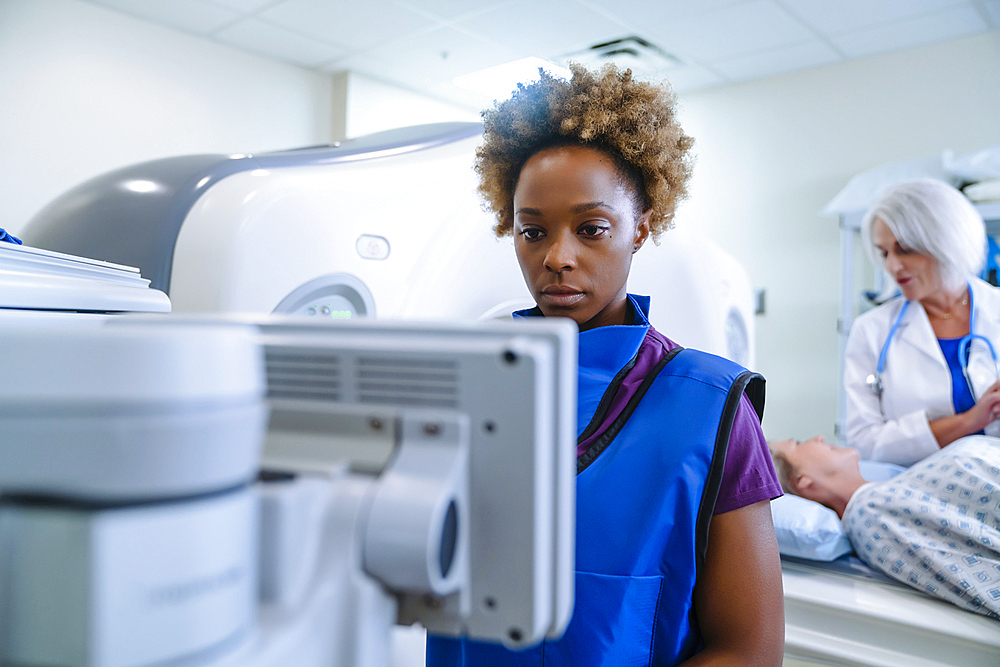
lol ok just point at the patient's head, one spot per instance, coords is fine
(817, 470)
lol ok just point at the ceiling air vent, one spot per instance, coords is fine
(644, 58)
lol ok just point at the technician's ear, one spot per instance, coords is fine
(641, 231)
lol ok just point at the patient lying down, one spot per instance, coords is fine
(935, 526)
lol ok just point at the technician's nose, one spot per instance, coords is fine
(561, 254)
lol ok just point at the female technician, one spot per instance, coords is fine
(676, 556)
(920, 371)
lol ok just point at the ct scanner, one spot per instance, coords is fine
(388, 225)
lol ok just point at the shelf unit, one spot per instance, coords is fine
(850, 230)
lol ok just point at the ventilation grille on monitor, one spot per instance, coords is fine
(300, 373)
(322, 375)
(422, 382)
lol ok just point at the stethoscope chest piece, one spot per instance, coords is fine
(874, 382)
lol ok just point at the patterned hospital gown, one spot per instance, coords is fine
(936, 525)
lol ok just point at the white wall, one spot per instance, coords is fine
(773, 152)
(373, 106)
(84, 90)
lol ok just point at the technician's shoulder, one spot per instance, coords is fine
(727, 377)
(705, 367)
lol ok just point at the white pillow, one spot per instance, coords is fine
(806, 529)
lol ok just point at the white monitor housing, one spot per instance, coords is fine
(411, 473)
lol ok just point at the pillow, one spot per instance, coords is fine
(806, 529)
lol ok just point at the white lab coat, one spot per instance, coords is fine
(916, 380)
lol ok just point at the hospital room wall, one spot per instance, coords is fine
(773, 152)
(84, 90)
(371, 105)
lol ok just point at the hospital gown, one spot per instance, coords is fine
(936, 526)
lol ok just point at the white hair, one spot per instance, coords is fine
(934, 219)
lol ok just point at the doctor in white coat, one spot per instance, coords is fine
(920, 370)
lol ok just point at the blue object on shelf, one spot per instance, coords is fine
(991, 272)
(4, 236)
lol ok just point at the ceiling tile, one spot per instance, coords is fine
(993, 9)
(692, 77)
(913, 32)
(778, 61)
(745, 28)
(371, 65)
(844, 15)
(544, 29)
(638, 13)
(269, 40)
(448, 10)
(365, 63)
(244, 7)
(188, 15)
(441, 55)
(356, 25)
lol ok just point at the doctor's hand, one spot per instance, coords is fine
(986, 410)
(948, 429)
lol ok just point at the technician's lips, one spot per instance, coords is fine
(561, 296)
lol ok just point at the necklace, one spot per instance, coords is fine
(948, 316)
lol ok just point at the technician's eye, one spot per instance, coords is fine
(531, 233)
(593, 230)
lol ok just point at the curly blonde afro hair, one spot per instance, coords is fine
(633, 121)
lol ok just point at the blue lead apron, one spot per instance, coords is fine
(646, 491)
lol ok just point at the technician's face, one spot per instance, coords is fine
(917, 275)
(576, 225)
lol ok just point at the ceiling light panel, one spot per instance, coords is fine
(740, 29)
(925, 29)
(188, 15)
(845, 15)
(778, 61)
(539, 28)
(270, 40)
(354, 25)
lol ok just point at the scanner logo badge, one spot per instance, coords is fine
(183, 592)
(372, 247)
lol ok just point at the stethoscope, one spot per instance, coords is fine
(874, 381)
